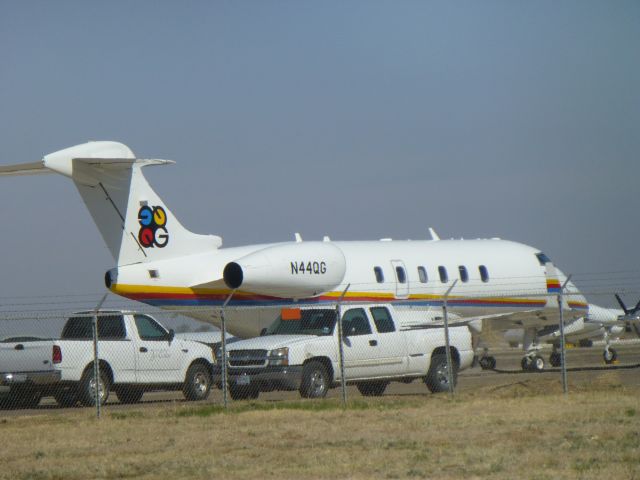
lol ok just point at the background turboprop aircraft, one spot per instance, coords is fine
(500, 284)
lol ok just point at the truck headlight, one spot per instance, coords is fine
(279, 356)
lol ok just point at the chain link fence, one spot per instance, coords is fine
(101, 356)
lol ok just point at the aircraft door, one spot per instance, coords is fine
(402, 280)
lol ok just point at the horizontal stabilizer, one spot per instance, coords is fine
(34, 168)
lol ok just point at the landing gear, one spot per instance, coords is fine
(487, 362)
(532, 363)
(609, 355)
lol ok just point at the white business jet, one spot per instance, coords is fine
(499, 284)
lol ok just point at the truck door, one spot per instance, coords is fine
(402, 282)
(360, 345)
(158, 359)
(391, 350)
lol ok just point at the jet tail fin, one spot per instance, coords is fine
(134, 222)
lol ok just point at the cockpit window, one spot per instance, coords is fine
(542, 258)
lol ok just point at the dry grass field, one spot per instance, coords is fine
(524, 429)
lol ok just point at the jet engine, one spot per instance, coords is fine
(292, 270)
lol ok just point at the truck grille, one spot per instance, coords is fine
(247, 358)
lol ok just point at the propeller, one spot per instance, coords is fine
(631, 316)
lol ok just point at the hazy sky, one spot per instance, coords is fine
(354, 119)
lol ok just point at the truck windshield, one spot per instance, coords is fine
(311, 322)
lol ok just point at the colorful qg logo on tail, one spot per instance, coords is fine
(153, 227)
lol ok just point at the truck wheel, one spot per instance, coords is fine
(372, 389)
(66, 398)
(197, 382)
(315, 381)
(243, 392)
(87, 388)
(437, 379)
(129, 394)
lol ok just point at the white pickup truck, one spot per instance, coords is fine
(136, 354)
(300, 351)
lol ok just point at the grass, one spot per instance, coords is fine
(524, 430)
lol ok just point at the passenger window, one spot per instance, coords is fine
(354, 322)
(379, 274)
(422, 274)
(484, 273)
(382, 319)
(464, 275)
(148, 328)
(444, 277)
(402, 276)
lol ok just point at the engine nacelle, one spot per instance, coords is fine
(293, 270)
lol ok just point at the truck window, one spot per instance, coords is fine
(149, 329)
(311, 322)
(354, 322)
(110, 327)
(382, 319)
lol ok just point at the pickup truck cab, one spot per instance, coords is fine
(136, 354)
(300, 351)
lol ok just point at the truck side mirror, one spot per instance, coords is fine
(172, 335)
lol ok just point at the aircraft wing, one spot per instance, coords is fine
(211, 284)
(531, 318)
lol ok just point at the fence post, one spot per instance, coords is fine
(563, 364)
(343, 382)
(223, 359)
(446, 338)
(96, 361)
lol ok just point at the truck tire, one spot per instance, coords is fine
(315, 380)
(372, 389)
(243, 392)
(437, 379)
(87, 388)
(67, 397)
(197, 382)
(129, 394)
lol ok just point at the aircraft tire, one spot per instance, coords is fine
(487, 363)
(610, 356)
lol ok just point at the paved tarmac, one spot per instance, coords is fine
(469, 381)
